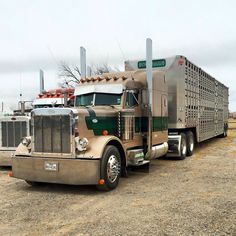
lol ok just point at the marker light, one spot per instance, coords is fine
(101, 182)
(104, 132)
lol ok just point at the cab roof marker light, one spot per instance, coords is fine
(115, 78)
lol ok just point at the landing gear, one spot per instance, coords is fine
(225, 133)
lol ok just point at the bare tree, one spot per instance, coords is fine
(70, 75)
(99, 70)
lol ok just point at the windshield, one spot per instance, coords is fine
(98, 99)
(47, 105)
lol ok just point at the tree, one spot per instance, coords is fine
(71, 75)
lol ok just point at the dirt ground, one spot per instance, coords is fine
(196, 196)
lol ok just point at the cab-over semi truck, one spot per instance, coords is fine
(14, 127)
(109, 128)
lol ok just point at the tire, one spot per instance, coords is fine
(110, 168)
(190, 143)
(183, 147)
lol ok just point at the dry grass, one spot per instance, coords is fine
(232, 123)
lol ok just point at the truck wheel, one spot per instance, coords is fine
(183, 147)
(190, 143)
(110, 168)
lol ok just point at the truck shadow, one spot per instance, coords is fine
(62, 189)
(5, 168)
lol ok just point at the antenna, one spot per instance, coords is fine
(21, 86)
(122, 53)
(53, 56)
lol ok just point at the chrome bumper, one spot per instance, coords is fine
(69, 171)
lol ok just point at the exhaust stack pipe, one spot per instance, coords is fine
(83, 62)
(22, 107)
(65, 98)
(41, 78)
(149, 88)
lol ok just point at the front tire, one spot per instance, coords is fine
(110, 168)
(190, 143)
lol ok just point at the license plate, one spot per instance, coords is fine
(51, 166)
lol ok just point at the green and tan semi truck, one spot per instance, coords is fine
(110, 127)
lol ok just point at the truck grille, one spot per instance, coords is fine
(12, 132)
(52, 134)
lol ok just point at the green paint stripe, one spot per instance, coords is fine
(111, 124)
(103, 123)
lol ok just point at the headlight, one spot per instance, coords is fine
(81, 143)
(26, 141)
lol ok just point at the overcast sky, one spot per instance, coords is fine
(40, 33)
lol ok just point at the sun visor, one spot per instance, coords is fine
(48, 101)
(99, 88)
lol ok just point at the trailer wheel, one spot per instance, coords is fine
(190, 143)
(183, 147)
(110, 168)
(225, 134)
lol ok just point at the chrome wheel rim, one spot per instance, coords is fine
(113, 168)
(184, 148)
(191, 146)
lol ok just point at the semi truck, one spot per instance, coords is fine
(14, 127)
(110, 127)
(197, 102)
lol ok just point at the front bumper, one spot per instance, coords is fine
(6, 158)
(69, 171)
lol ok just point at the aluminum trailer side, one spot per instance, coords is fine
(197, 102)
